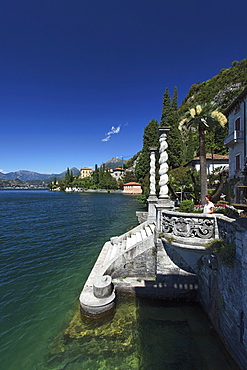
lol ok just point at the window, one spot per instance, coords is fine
(237, 124)
(237, 162)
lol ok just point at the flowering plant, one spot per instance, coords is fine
(218, 208)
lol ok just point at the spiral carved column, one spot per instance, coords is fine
(152, 171)
(163, 163)
(164, 201)
(152, 199)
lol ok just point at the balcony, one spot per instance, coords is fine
(233, 138)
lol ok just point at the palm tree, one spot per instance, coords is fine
(202, 118)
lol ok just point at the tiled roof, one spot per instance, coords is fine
(215, 156)
(132, 183)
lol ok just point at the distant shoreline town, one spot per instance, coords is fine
(107, 179)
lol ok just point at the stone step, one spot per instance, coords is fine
(135, 238)
(148, 230)
(143, 234)
(138, 237)
(123, 243)
(131, 241)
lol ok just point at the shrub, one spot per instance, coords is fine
(170, 239)
(187, 206)
(225, 251)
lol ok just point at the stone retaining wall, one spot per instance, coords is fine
(223, 292)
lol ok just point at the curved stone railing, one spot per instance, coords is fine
(186, 234)
(189, 225)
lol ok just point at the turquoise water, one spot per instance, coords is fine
(49, 243)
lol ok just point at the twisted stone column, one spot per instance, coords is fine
(164, 201)
(152, 199)
(163, 163)
(152, 171)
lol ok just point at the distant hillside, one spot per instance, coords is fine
(24, 175)
(114, 162)
(61, 175)
(221, 89)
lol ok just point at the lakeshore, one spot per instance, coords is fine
(47, 257)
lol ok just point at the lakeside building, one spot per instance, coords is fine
(132, 188)
(117, 173)
(236, 142)
(85, 172)
(213, 162)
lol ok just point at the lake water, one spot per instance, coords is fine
(49, 243)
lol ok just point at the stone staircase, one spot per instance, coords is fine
(123, 248)
(115, 254)
(128, 240)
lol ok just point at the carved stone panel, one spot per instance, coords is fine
(188, 227)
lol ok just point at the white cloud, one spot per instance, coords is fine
(114, 130)
(106, 138)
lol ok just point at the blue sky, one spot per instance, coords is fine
(80, 79)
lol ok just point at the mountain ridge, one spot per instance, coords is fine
(25, 175)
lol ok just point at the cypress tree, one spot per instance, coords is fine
(101, 172)
(96, 175)
(68, 177)
(175, 99)
(150, 139)
(174, 139)
(166, 109)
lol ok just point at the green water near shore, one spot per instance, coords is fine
(140, 334)
(49, 243)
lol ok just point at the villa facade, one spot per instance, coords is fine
(236, 142)
(85, 172)
(117, 173)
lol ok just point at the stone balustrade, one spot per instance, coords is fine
(189, 225)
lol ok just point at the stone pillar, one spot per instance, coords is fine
(164, 201)
(152, 199)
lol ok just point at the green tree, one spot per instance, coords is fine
(85, 183)
(130, 162)
(166, 109)
(101, 172)
(202, 118)
(150, 139)
(107, 181)
(184, 180)
(170, 118)
(96, 175)
(129, 176)
(174, 137)
(68, 177)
